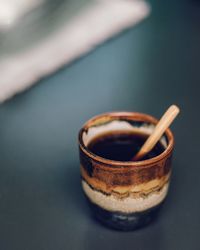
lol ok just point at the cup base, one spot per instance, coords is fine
(123, 221)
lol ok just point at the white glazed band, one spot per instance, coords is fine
(126, 205)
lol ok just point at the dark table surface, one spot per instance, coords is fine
(144, 69)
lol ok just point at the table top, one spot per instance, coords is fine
(145, 69)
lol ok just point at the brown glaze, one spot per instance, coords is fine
(125, 175)
(139, 190)
(125, 178)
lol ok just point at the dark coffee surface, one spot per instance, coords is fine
(121, 146)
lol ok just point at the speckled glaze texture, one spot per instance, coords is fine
(124, 195)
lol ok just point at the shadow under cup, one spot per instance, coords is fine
(124, 195)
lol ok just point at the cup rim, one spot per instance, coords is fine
(135, 116)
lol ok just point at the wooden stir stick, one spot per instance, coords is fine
(160, 128)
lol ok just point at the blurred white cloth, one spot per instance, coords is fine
(92, 27)
(12, 10)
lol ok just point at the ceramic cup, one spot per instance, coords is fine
(124, 195)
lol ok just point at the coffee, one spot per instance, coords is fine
(122, 146)
(124, 194)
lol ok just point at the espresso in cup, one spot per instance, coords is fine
(122, 146)
(124, 194)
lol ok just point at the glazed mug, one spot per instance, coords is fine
(124, 195)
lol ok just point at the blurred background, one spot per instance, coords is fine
(40, 36)
(62, 62)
